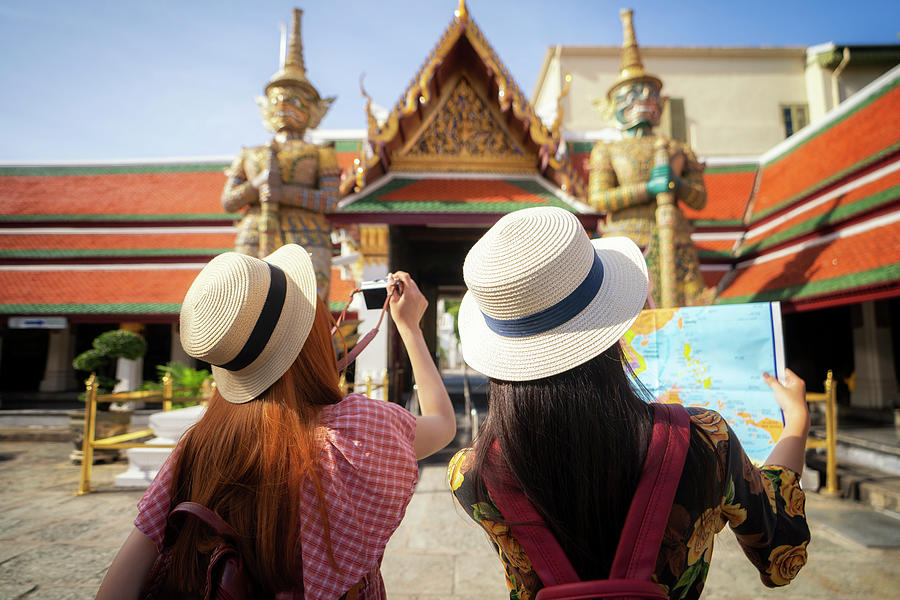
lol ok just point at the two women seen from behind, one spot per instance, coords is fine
(543, 317)
(313, 481)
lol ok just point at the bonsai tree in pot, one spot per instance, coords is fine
(101, 360)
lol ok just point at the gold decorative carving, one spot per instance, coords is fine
(374, 244)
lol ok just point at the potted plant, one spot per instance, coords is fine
(187, 383)
(101, 360)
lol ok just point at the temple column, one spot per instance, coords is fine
(58, 372)
(373, 256)
(875, 383)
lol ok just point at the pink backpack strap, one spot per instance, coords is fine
(527, 525)
(648, 514)
(644, 526)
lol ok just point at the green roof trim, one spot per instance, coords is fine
(875, 96)
(347, 146)
(124, 217)
(717, 223)
(93, 252)
(725, 169)
(92, 309)
(580, 147)
(374, 205)
(714, 253)
(850, 281)
(827, 181)
(49, 171)
(834, 216)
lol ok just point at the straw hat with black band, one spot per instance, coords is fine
(249, 318)
(544, 298)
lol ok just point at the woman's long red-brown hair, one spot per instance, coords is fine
(248, 462)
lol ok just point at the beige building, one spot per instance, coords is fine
(724, 102)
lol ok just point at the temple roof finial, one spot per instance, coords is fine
(462, 12)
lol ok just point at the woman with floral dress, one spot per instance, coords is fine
(543, 316)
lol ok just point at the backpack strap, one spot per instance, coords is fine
(648, 514)
(644, 524)
(527, 525)
(209, 517)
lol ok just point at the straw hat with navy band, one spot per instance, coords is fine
(544, 298)
(249, 318)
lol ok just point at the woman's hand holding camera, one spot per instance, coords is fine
(407, 302)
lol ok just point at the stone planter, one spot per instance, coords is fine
(109, 423)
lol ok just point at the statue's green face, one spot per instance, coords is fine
(638, 104)
(288, 108)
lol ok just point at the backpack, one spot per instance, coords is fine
(227, 576)
(645, 523)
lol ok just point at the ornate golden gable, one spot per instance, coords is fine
(464, 133)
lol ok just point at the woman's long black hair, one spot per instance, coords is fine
(575, 442)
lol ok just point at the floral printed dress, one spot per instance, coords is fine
(764, 507)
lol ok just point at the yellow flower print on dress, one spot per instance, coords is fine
(705, 528)
(454, 469)
(794, 499)
(510, 549)
(785, 562)
(713, 424)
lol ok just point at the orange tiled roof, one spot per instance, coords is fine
(9, 240)
(727, 194)
(862, 260)
(856, 201)
(113, 288)
(113, 194)
(340, 288)
(714, 247)
(863, 135)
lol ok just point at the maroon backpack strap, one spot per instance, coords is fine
(207, 516)
(527, 525)
(648, 514)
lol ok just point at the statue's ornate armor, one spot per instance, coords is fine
(619, 172)
(311, 177)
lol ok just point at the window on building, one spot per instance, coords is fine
(795, 117)
(672, 122)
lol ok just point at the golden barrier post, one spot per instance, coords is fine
(829, 397)
(87, 446)
(167, 392)
(368, 386)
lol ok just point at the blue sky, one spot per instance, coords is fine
(97, 80)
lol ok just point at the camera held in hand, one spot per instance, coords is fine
(375, 292)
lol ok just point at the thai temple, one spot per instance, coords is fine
(787, 162)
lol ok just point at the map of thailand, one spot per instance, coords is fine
(714, 357)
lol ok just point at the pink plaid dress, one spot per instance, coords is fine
(369, 472)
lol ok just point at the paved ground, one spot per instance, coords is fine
(55, 545)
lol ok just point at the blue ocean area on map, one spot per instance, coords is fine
(714, 357)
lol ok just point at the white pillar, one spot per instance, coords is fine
(875, 384)
(58, 372)
(372, 362)
(129, 373)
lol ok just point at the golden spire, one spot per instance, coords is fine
(462, 12)
(632, 67)
(292, 70)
